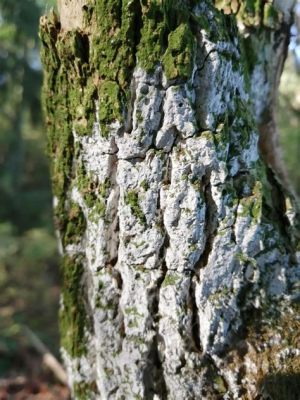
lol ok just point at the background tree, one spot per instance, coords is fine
(288, 120)
(179, 242)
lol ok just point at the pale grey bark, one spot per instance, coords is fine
(190, 278)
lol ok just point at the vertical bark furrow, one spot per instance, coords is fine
(154, 374)
(195, 320)
(211, 222)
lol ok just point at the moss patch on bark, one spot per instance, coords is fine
(73, 318)
(179, 56)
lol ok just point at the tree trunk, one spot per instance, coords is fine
(178, 241)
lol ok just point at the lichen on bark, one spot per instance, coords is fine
(179, 250)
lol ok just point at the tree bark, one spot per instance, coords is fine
(179, 243)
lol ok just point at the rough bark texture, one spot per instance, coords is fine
(179, 243)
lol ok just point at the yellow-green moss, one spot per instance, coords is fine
(132, 311)
(84, 390)
(144, 185)
(103, 304)
(86, 186)
(152, 34)
(170, 279)
(114, 39)
(244, 259)
(252, 206)
(272, 16)
(98, 210)
(73, 318)
(132, 199)
(109, 105)
(208, 135)
(75, 225)
(179, 57)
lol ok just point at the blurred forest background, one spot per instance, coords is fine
(29, 282)
(29, 277)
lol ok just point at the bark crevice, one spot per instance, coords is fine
(211, 223)
(153, 375)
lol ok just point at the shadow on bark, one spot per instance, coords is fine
(281, 386)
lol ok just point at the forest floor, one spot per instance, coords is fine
(29, 379)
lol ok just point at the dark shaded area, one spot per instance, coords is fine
(280, 386)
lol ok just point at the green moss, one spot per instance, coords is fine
(170, 279)
(139, 244)
(84, 390)
(75, 225)
(268, 201)
(216, 383)
(73, 54)
(219, 294)
(152, 36)
(99, 210)
(258, 203)
(68, 103)
(73, 318)
(197, 183)
(179, 56)
(271, 16)
(103, 303)
(144, 185)
(84, 109)
(56, 108)
(139, 117)
(132, 200)
(208, 135)
(184, 177)
(114, 42)
(219, 385)
(140, 268)
(108, 372)
(112, 55)
(221, 138)
(203, 22)
(109, 105)
(104, 187)
(132, 311)
(193, 247)
(249, 57)
(251, 207)
(244, 259)
(86, 186)
(94, 194)
(250, 12)
(136, 339)
(133, 324)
